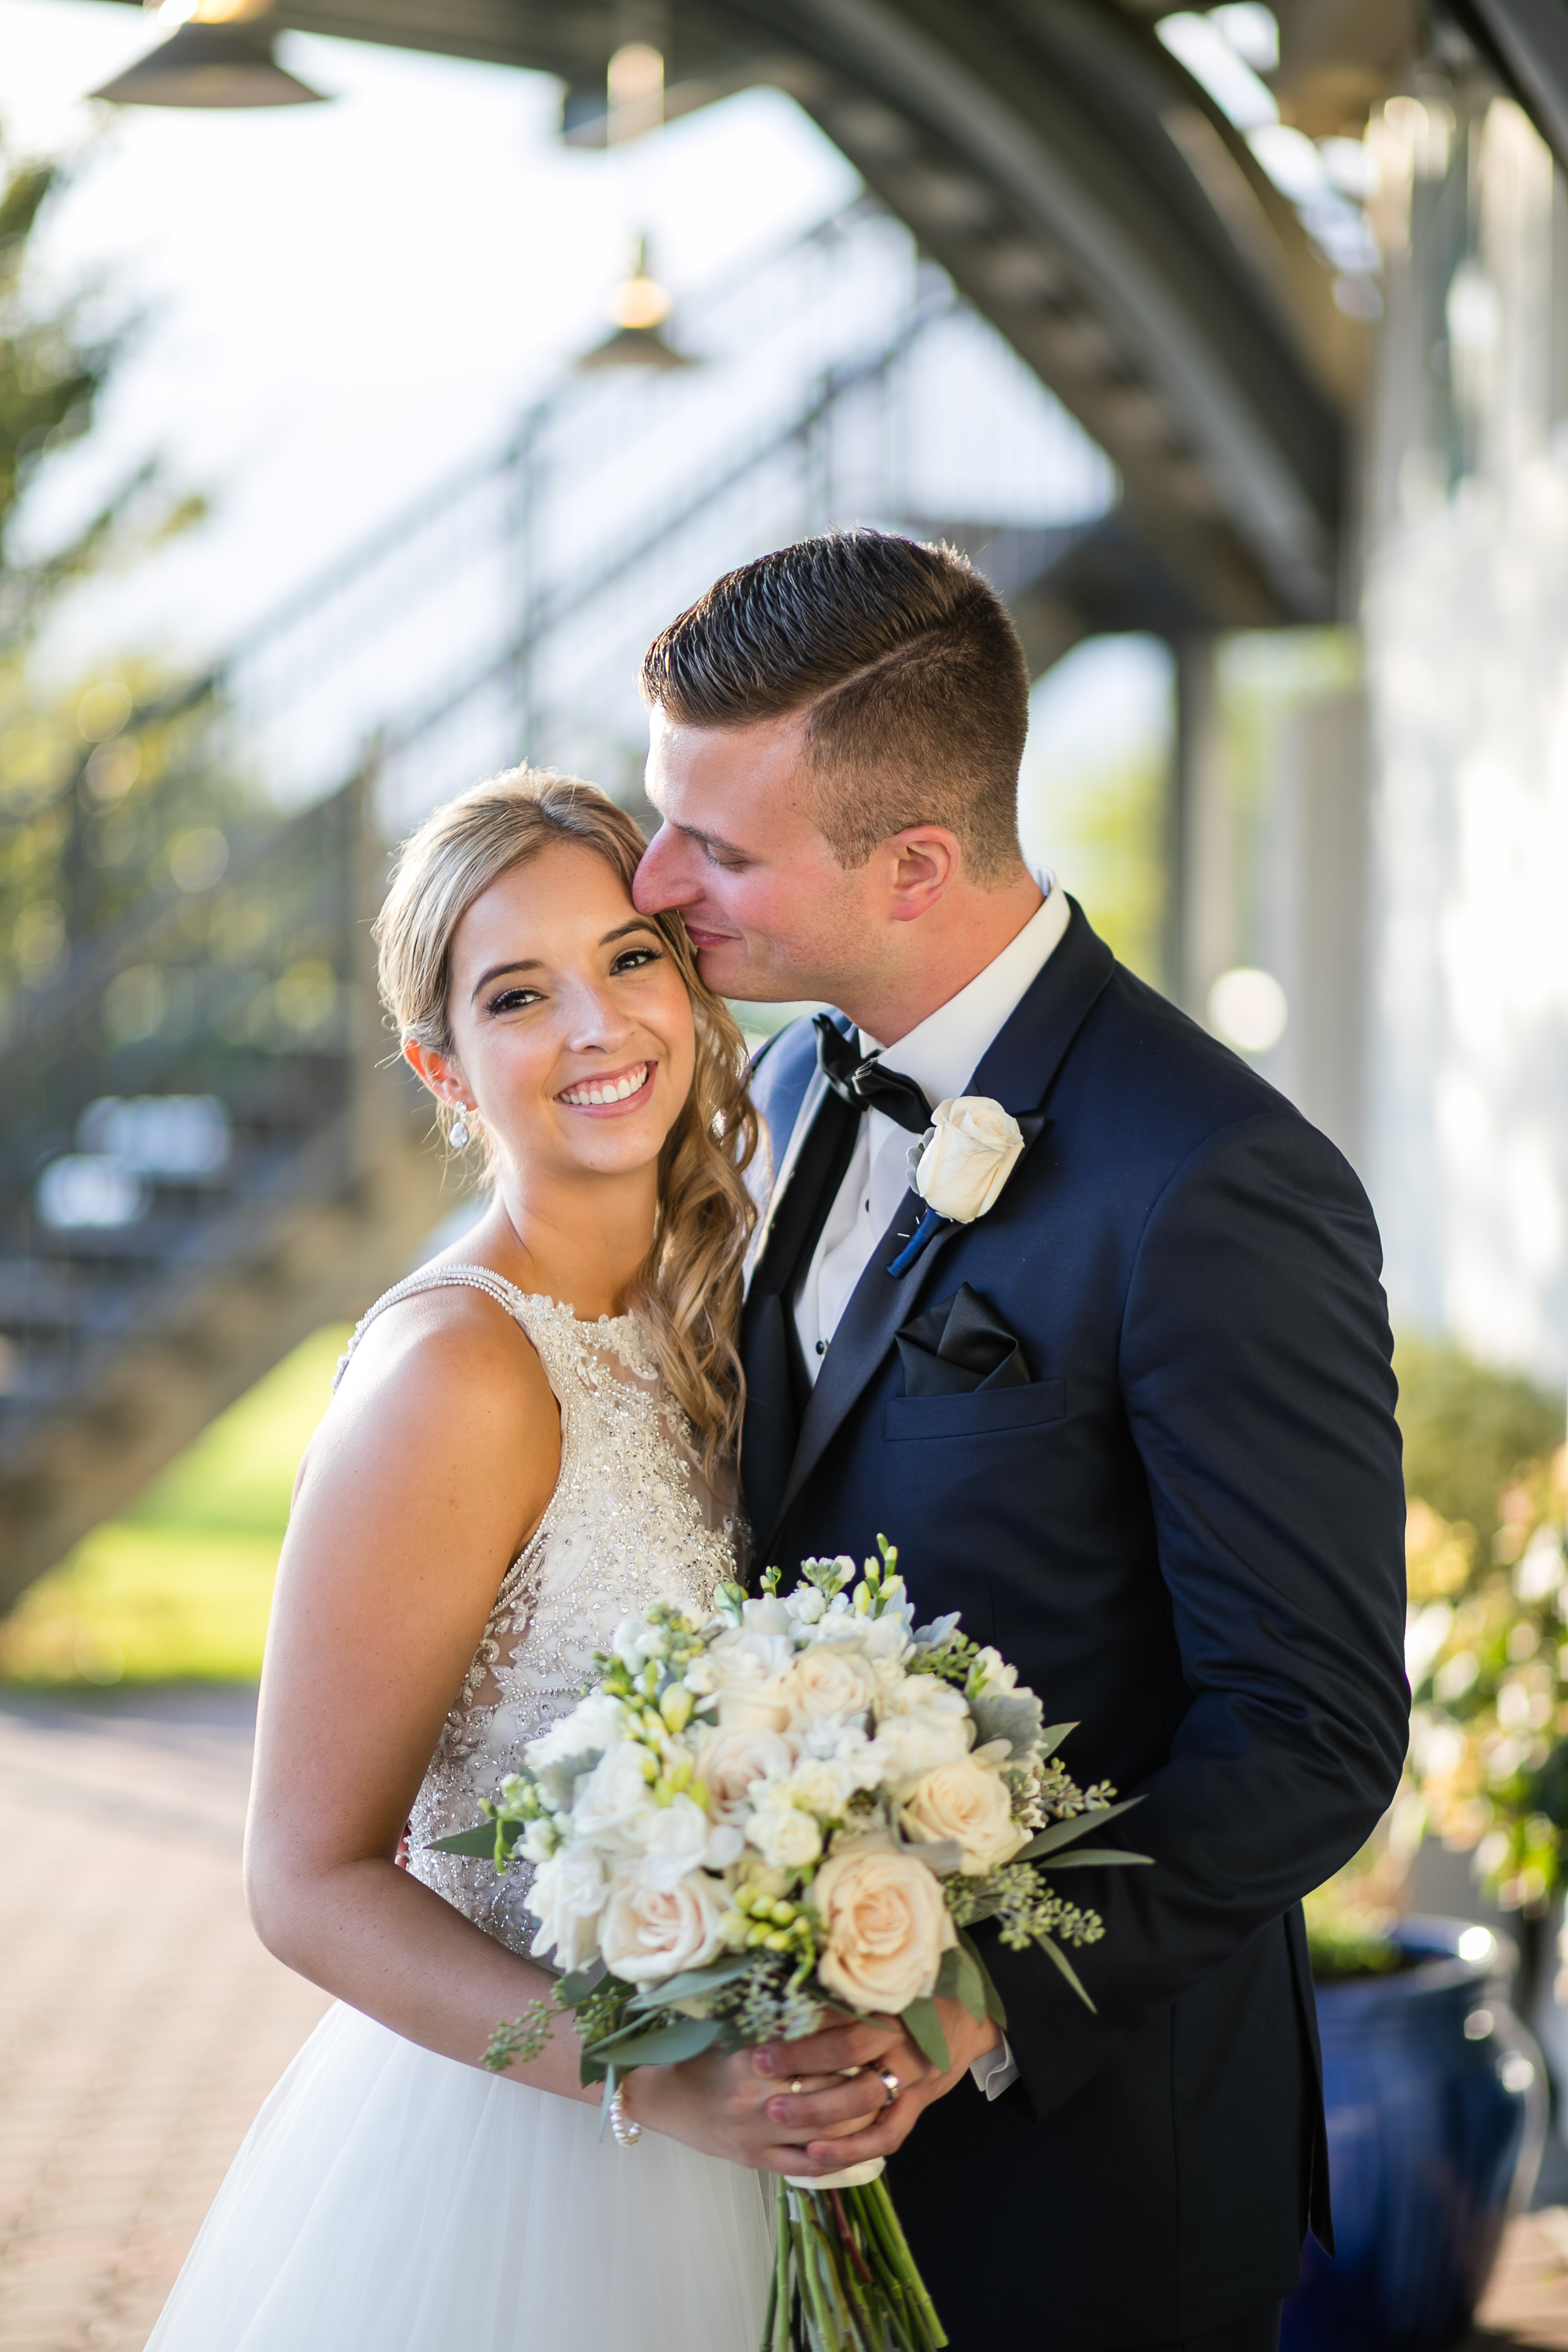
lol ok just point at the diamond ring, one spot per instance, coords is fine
(889, 2082)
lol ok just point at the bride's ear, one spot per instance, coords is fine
(439, 1072)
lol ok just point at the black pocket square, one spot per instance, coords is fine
(959, 1346)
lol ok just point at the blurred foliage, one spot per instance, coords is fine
(98, 804)
(1466, 1429)
(1486, 1481)
(1347, 1936)
(54, 364)
(179, 1587)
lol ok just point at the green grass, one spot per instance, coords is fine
(178, 1589)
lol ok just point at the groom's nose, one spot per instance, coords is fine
(665, 877)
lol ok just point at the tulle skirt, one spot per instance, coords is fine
(387, 2199)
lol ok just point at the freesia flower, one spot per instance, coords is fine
(613, 1806)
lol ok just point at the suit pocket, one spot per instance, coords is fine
(989, 1414)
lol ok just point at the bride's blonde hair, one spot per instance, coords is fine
(687, 1290)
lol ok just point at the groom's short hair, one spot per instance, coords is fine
(906, 660)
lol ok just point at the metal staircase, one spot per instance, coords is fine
(208, 1146)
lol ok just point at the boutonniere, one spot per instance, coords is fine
(960, 1166)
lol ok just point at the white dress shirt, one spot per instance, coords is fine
(941, 1054)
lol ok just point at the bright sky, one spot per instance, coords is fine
(342, 301)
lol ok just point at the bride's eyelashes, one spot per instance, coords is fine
(518, 1000)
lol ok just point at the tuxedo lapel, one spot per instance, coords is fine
(1017, 1072)
(776, 1382)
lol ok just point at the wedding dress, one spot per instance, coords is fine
(389, 2200)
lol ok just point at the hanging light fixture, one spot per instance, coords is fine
(638, 306)
(218, 56)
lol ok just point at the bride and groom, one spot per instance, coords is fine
(1131, 1413)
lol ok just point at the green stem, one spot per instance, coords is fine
(906, 2263)
(779, 2336)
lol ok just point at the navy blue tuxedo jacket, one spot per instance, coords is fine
(1186, 1531)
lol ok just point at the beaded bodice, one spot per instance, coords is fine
(631, 1520)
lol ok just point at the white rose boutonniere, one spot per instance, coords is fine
(960, 1167)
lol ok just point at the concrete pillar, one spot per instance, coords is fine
(1200, 917)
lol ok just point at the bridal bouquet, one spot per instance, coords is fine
(801, 1806)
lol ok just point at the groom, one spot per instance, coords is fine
(1134, 1419)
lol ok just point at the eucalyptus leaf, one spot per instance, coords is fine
(995, 2010)
(664, 2044)
(1080, 1853)
(480, 1842)
(947, 1976)
(1014, 1716)
(971, 1987)
(922, 2022)
(1051, 1741)
(943, 1856)
(691, 1984)
(1076, 1826)
(578, 1984)
(1067, 1969)
(558, 1781)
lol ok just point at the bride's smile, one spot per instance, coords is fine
(572, 1043)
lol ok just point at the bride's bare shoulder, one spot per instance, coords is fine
(447, 1381)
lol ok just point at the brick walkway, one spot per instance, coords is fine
(141, 2024)
(141, 2021)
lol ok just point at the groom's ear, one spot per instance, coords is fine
(921, 865)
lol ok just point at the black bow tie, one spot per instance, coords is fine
(866, 1084)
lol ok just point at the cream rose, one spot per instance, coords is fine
(730, 1761)
(825, 1682)
(907, 1747)
(970, 1157)
(650, 1932)
(887, 1928)
(963, 1801)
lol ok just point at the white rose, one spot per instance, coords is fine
(907, 1747)
(962, 1801)
(887, 1928)
(613, 1806)
(765, 1616)
(730, 1761)
(650, 1932)
(748, 1666)
(675, 1841)
(567, 1897)
(829, 1681)
(594, 1724)
(970, 1157)
(804, 1604)
(787, 1838)
(926, 1694)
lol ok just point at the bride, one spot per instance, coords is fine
(532, 1438)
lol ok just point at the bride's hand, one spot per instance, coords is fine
(728, 2108)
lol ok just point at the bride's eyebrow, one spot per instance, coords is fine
(530, 963)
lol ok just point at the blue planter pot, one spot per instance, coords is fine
(1437, 2108)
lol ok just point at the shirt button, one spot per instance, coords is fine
(822, 1347)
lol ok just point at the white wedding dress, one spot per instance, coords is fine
(387, 2199)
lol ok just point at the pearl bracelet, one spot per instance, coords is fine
(626, 2132)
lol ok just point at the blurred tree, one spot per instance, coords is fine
(1466, 1429)
(107, 792)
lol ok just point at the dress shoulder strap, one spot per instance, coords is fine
(435, 1277)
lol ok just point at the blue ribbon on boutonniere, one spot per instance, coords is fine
(961, 1165)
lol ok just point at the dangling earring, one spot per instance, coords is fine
(457, 1134)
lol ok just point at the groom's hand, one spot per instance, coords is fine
(879, 2045)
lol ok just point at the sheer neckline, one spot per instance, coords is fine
(631, 1319)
